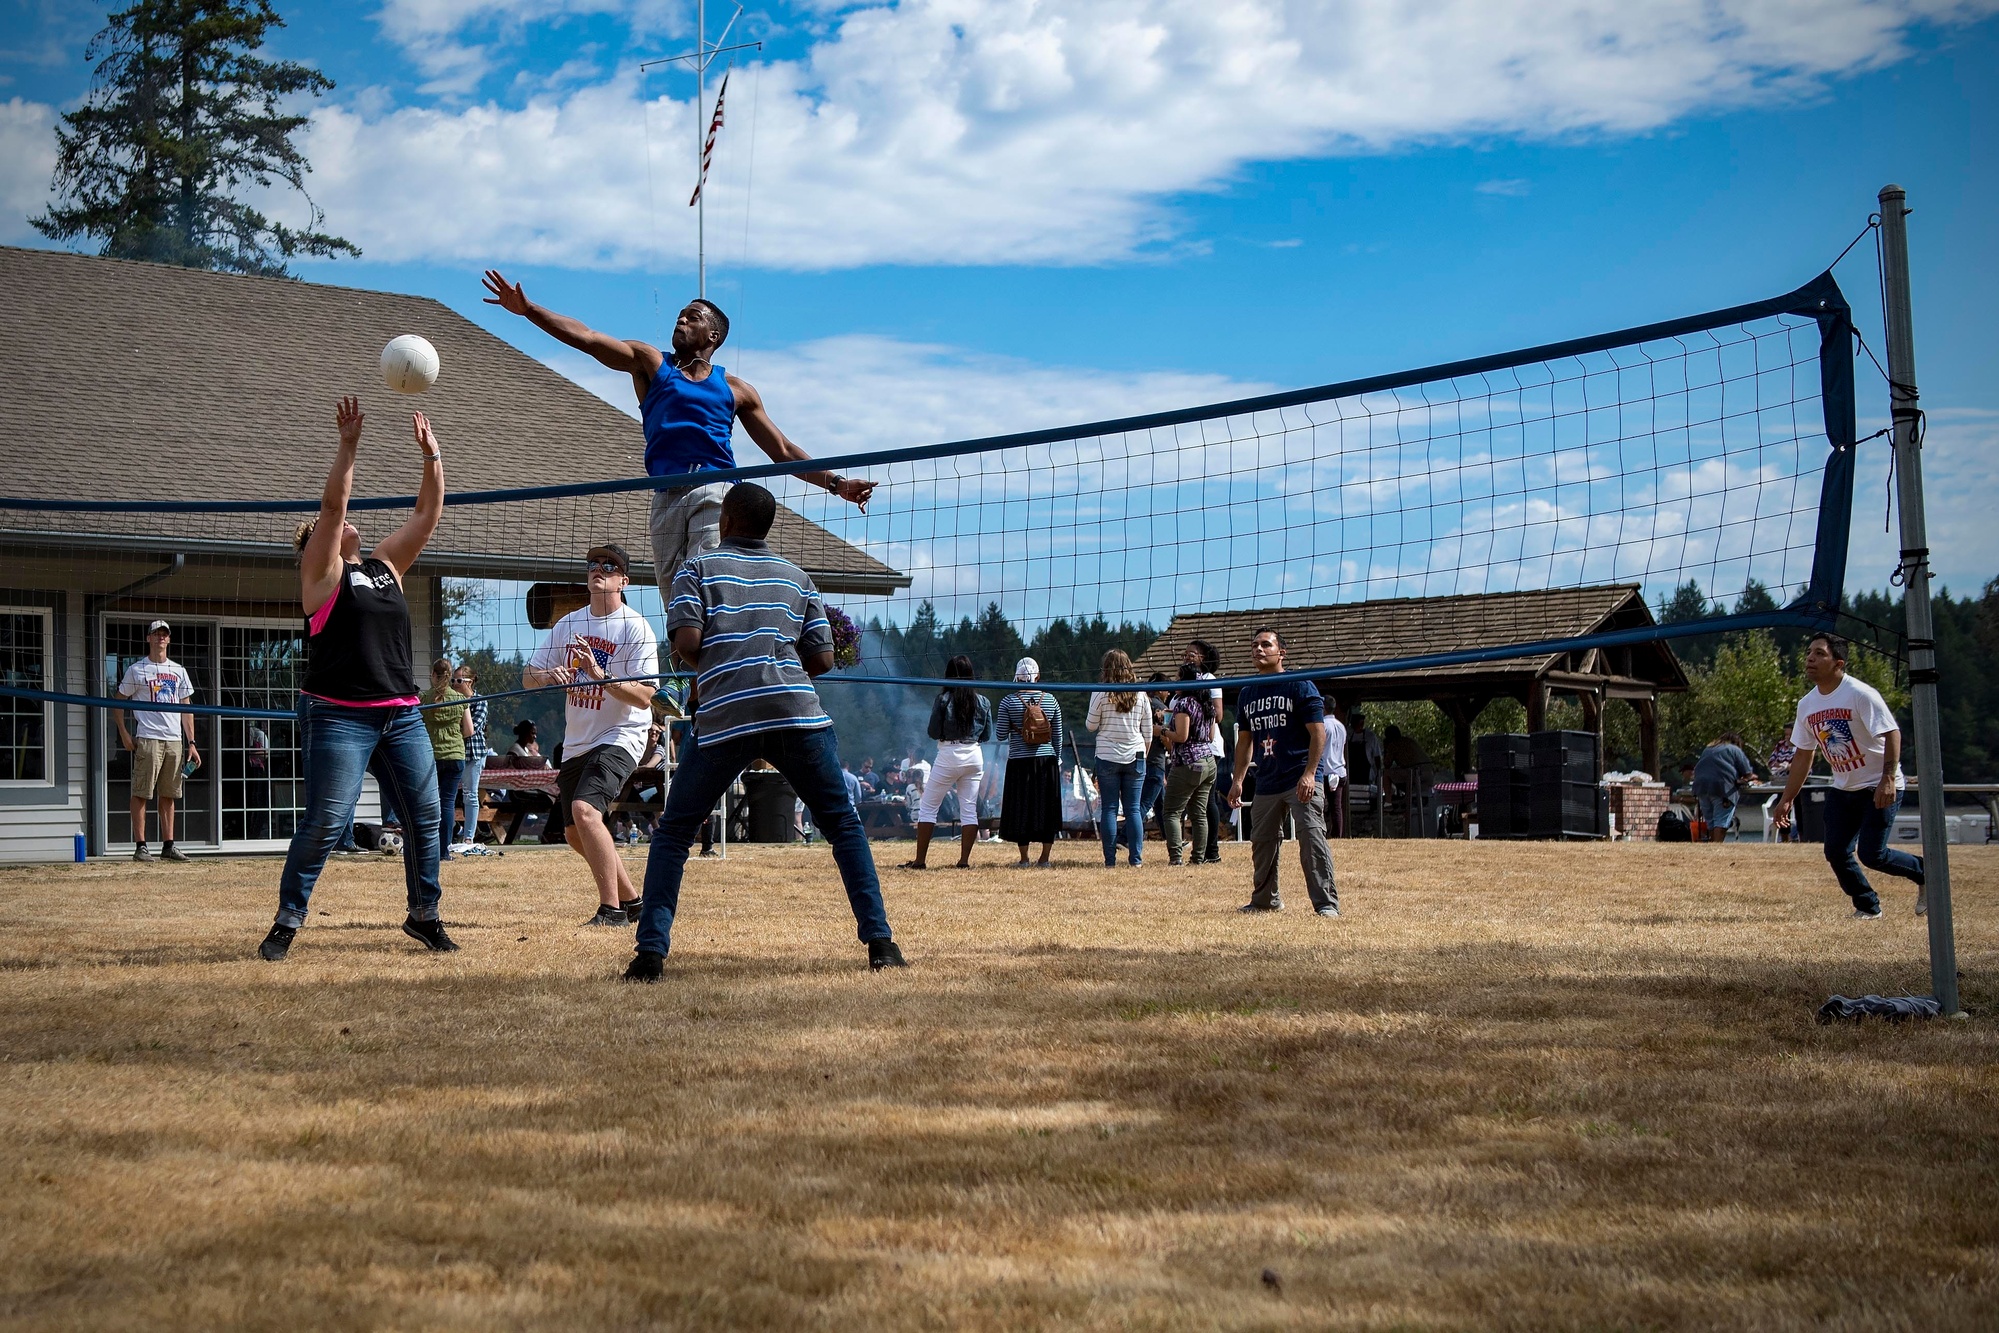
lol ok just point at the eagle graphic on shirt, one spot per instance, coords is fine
(1834, 729)
(592, 696)
(163, 688)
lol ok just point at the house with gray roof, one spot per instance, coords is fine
(140, 382)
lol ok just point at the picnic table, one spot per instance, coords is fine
(530, 790)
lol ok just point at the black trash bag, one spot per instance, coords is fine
(1673, 827)
(1900, 1009)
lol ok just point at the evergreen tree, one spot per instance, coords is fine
(183, 116)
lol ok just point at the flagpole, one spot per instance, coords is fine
(701, 55)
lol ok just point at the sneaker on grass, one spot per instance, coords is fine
(884, 953)
(430, 934)
(1327, 911)
(142, 853)
(172, 853)
(276, 944)
(608, 916)
(1260, 907)
(646, 968)
(1863, 914)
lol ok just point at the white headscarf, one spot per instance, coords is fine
(1027, 670)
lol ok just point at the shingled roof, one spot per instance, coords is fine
(131, 381)
(1350, 633)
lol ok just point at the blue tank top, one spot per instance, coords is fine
(688, 422)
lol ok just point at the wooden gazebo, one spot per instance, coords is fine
(1406, 627)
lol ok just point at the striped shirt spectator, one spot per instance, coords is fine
(1013, 710)
(759, 615)
(476, 749)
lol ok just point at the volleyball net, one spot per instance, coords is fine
(1716, 450)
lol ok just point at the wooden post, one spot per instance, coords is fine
(1648, 733)
(1537, 706)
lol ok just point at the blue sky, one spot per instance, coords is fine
(971, 217)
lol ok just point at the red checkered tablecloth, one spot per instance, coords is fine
(518, 779)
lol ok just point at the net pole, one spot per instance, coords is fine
(1915, 574)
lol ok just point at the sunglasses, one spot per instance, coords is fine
(606, 566)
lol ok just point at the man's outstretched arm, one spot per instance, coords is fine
(750, 411)
(637, 359)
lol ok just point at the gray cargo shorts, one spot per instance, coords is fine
(685, 523)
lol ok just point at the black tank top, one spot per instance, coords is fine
(361, 653)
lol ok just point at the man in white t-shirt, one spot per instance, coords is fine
(156, 749)
(604, 726)
(1848, 723)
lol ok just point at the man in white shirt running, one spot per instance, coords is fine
(604, 725)
(156, 750)
(1851, 727)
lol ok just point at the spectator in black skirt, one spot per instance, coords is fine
(1031, 805)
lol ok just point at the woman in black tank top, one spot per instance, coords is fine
(357, 708)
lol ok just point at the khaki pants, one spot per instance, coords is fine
(156, 769)
(1266, 843)
(685, 524)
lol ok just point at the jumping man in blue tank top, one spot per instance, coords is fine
(688, 406)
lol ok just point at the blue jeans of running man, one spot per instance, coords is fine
(1118, 786)
(1853, 823)
(809, 760)
(335, 745)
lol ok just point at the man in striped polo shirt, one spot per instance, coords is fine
(752, 627)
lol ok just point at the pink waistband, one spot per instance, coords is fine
(407, 701)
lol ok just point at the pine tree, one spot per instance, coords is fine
(183, 116)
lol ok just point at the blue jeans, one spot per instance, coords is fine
(335, 746)
(1118, 786)
(1854, 823)
(810, 762)
(1155, 787)
(468, 783)
(449, 771)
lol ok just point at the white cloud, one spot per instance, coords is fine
(1513, 188)
(1037, 131)
(27, 157)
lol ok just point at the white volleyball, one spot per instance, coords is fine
(409, 364)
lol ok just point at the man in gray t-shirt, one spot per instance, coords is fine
(1719, 777)
(753, 628)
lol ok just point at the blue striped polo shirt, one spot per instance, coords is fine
(759, 617)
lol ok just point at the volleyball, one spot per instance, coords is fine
(409, 364)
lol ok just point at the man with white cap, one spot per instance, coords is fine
(156, 749)
(1030, 726)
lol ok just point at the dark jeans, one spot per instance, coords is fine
(1154, 789)
(335, 746)
(810, 761)
(448, 773)
(1118, 786)
(1854, 823)
(1218, 809)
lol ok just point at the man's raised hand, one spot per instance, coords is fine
(506, 295)
(349, 418)
(858, 490)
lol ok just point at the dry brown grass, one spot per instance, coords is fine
(1517, 1086)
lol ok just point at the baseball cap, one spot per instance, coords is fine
(159, 625)
(611, 551)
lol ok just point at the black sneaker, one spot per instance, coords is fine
(1259, 907)
(276, 944)
(646, 967)
(172, 853)
(631, 909)
(430, 934)
(608, 916)
(885, 953)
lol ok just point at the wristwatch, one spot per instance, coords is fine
(834, 483)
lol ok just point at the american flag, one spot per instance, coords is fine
(708, 148)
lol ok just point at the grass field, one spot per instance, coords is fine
(1517, 1086)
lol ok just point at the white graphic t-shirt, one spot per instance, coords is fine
(157, 683)
(624, 645)
(1846, 727)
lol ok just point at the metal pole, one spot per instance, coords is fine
(1915, 575)
(700, 133)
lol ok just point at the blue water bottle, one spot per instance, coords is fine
(82, 849)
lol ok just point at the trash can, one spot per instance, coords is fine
(771, 804)
(1809, 812)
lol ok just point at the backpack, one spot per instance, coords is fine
(1035, 728)
(1673, 827)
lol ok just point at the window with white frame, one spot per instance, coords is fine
(27, 652)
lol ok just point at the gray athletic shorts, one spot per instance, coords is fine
(685, 523)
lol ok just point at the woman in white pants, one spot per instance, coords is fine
(960, 721)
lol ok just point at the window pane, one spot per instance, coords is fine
(24, 724)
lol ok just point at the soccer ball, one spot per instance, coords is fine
(409, 364)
